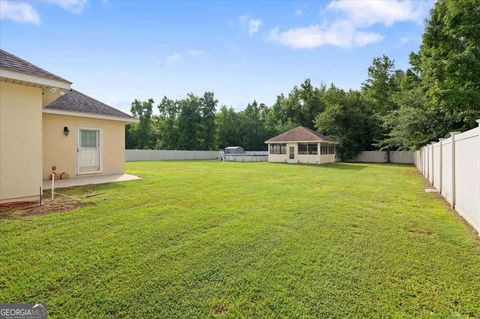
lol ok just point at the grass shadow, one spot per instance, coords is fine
(344, 166)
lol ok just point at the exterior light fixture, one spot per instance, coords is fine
(66, 131)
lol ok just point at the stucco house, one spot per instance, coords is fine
(301, 145)
(45, 123)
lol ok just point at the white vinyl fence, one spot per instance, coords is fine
(452, 165)
(165, 155)
(400, 157)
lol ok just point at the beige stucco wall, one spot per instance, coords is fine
(60, 150)
(48, 96)
(327, 158)
(307, 159)
(20, 141)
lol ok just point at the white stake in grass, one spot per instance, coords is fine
(53, 183)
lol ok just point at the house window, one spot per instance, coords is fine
(278, 148)
(307, 149)
(324, 149)
(89, 138)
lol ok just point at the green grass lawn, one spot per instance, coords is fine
(210, 239)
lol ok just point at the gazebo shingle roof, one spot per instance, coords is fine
(301, 134)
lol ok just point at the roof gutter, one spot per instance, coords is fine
(91, 115)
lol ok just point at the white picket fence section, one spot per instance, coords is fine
(452, 165)
(400, 157)
(166, 155)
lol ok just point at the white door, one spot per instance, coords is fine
(88, 151)
(291, 154)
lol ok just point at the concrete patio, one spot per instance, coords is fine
(89, 180)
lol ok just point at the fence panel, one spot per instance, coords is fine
(400, 157)
(166, 155)
(467, 176)
(453, 165)
(372, 157)
(430, 163)
(425, 156)
(417, 160)
(447, 169)
(436, 165)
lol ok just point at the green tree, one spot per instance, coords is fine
(168, 123)
(382, 83)
(228, 127)
(207, 112)
(142, 132)
(346, 120)
(301, 106)
(411, 124)
(253, 127)
(189, 123)
(448, 64)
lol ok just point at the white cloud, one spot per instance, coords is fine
(361, 39)
(403, 40)
(350, 29)
(74, 6)
(196, 53)
(367, 13)
(254, 26)
(24, 12)
(173, 59)
(243, 19)
(19, 12)
(315, 36)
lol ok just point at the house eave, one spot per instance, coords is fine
(28, 79)
(91, 115)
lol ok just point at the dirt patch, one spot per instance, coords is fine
(59, 204)
(222, 307)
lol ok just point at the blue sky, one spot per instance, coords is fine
(117, 51)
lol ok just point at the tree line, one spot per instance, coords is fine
(393, 110)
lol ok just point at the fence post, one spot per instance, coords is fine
(424, 163)
(425, 148)
(440, 185)
(433, 163)
(421, 162)
(452, 135)
(427, 153)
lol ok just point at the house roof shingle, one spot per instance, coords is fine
(301, 134)
(74, 101)
(11, 62)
